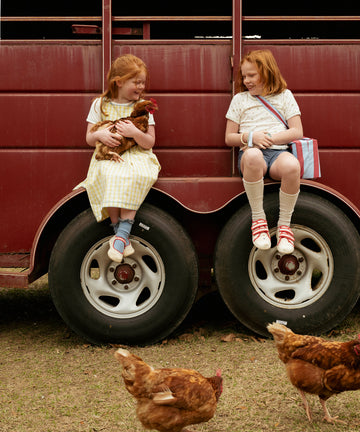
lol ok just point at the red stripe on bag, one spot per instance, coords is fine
(300, 156)
(316, 159)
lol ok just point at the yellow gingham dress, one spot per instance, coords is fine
(120, 184)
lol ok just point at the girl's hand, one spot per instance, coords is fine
(262, 140)
(126, 128)
(108, 138)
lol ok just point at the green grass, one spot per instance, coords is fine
(53, 381)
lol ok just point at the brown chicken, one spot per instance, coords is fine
(169, 399)
(317, 366)
(140, 118)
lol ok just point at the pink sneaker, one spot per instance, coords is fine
(286, 239)
(260, 234)
(116, 255)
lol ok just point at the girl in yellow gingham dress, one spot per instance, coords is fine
(117, 189)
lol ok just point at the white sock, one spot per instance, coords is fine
(286, 207)
(255, 195)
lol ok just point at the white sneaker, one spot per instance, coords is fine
(260, 234)
(116, 255)
(286, 240)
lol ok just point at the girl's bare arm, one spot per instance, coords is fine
(103, 135)
(146, 140)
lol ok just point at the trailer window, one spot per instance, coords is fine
(188, 19)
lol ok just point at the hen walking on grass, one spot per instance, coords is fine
(317, 366)
(169, 399)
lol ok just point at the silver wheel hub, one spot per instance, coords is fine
(127, 289)
(294, 280)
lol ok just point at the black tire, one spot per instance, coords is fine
(138, 302)
(260, 287)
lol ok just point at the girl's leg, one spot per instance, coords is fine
(287, 169)
(114, 213)
(253, 167)
(120, 244)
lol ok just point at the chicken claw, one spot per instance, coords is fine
(115, 157)
(328, 417)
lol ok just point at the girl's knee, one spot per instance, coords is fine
(288, 165)
(253, 157)
(292, 168)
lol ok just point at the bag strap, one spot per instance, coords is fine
(272, 110)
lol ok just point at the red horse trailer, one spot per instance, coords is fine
(193, 231)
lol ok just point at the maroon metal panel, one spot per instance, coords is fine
(50, 66)
(77, 66)
(332, 118)
(197, 66)
(191, 120)
(40, 120)
(316, 65)
(194, 162)
(31, 183)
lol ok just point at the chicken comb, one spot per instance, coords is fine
(154, 106)
(153, 101)
(218, 372)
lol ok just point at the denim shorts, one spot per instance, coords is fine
(269, 155)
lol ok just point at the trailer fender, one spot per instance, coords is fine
(51, 226)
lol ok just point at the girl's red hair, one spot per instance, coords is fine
(268, 69)
(122, 69)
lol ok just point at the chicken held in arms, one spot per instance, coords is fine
(169, 399)
(139, 116)
(317, 366)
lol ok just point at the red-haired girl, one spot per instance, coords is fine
(263, 142)
(117, 189)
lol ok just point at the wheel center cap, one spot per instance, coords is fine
(124, 273)
(288, 264)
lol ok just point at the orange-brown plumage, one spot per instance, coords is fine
(169, 399)
(139, 116)
(317, 366)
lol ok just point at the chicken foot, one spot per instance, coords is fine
(328, 417)
(115, 157)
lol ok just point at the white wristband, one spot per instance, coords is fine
(250, 143)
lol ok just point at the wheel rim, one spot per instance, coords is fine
(292, 281)
(127, 289)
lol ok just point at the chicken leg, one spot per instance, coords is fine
(327, 416)
(306, 405)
